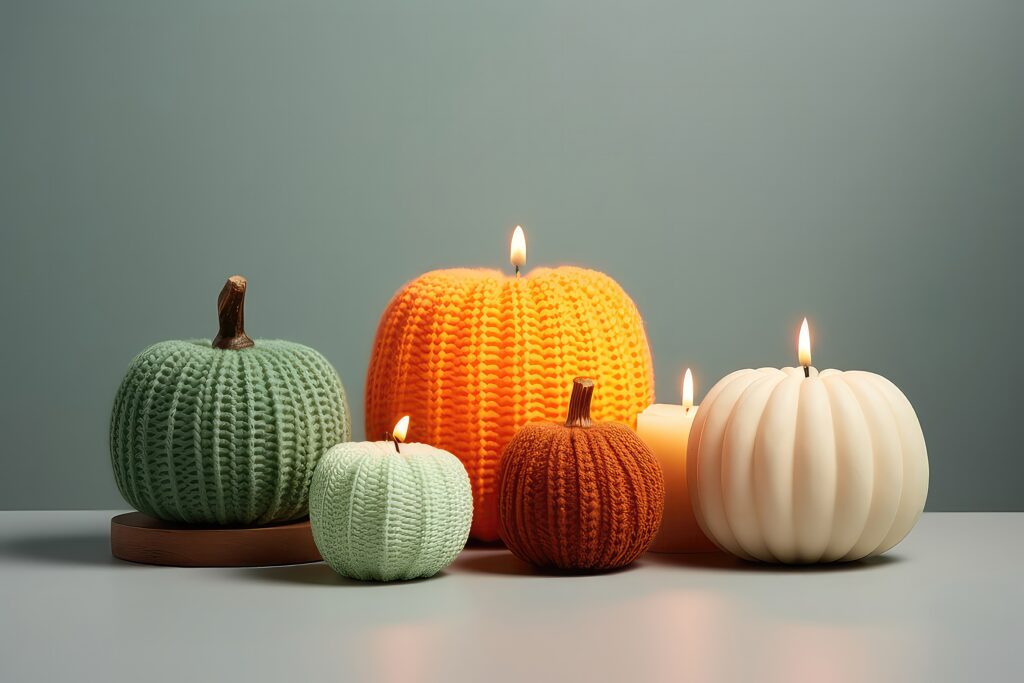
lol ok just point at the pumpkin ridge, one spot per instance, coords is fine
(536, 481)
(178, 440)
(150, 480)
(551, 481)
(129, 407)
(254, 460)
(694, 462)
(416, 466)
(298, 438)
(587, 495)
(519, 467)
(206, 423)
(519, 470)
(770, 551)
(617, 503)
(813, 520)
(702, 458)
(554, 485)
(871, 458)
(756, 394)
(867, 395)
(633, 471)
(126, 406)
(835, 451)
(299, 371)
(225, 467)
(898, 402)
(271, 427)
(608, 488)
(312, 385)
(358, 480)
(899, 499)
(731, 541)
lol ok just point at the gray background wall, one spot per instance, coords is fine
(734, 165)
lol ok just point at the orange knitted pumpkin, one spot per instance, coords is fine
(583, 496)
(473, 355)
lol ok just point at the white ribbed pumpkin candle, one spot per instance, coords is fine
(798, 466)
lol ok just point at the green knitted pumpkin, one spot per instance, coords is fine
(228, 432)
(382, 515)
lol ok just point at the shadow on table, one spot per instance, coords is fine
(87, 548)
(725, 562)
(505, 563)
(473, 544)
(316, 574)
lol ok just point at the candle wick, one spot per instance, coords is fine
(517, 272)
(397, 449)
(807, 371)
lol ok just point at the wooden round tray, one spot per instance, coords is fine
(139, 538)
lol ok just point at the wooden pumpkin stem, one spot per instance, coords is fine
(231, 313)
(579, 403)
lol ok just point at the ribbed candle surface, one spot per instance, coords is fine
(796, 466)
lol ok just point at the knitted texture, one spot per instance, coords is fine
(579, 498)
(474, 355)
(381, 515)
(212, 436)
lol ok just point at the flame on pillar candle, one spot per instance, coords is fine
(400, 430)
(517, 253)
(804, 346)
(688, 389)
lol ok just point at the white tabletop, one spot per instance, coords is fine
(946, 604)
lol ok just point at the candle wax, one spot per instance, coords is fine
(665, 428)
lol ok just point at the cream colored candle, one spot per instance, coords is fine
(792, 465)
(665, 428)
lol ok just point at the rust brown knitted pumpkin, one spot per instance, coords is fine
(579, 496)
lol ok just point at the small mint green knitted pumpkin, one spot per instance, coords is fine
(382, 515)
(228, 432)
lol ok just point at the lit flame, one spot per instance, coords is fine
(805, 345)
(688, 389)
(400, 430)
(517, 254)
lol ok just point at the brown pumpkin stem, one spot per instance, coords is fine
(579, 403)
(231, 313)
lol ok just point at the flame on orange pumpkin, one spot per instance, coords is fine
(688, 389)
(517, 253)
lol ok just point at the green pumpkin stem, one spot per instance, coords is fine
(231, 313)
(579, 403)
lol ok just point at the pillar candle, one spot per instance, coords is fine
(665, 428)
(795, 466)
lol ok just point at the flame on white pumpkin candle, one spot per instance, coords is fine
(400, 430)
(688, 389)
(804, 346)
(517, 253)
